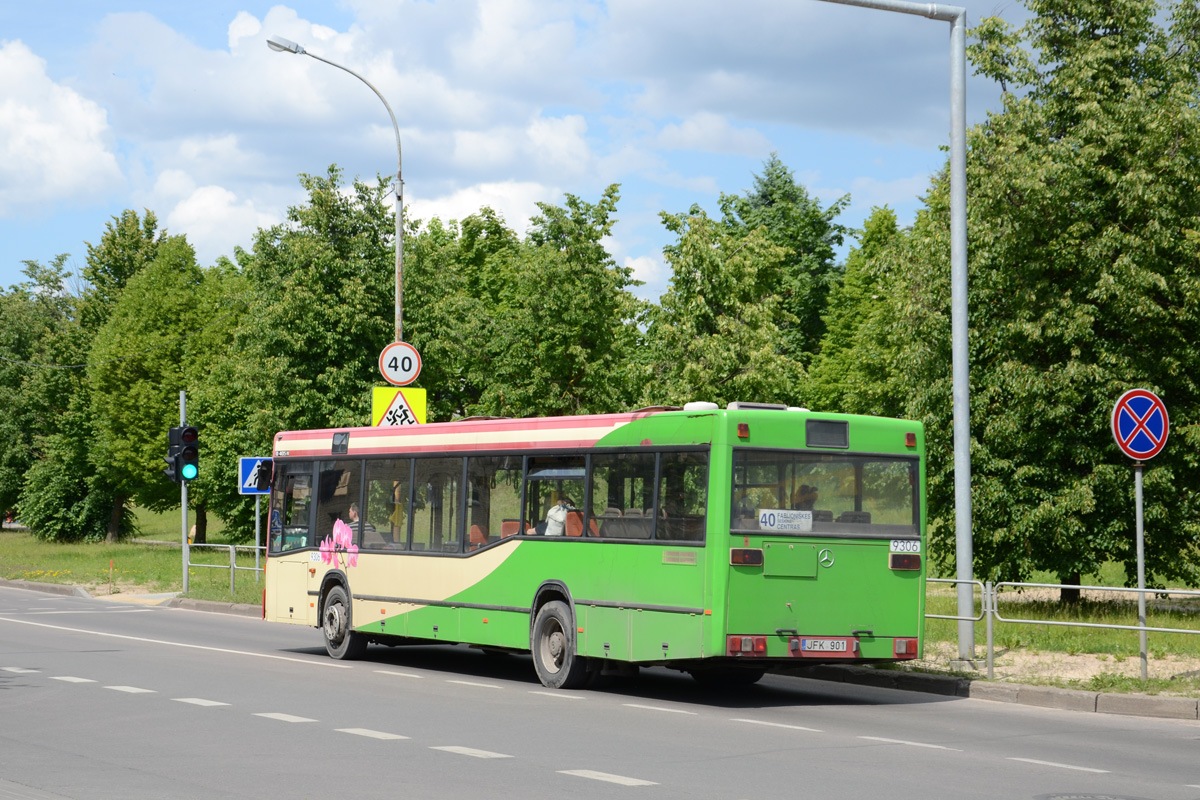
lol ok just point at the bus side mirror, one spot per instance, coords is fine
(265, 470)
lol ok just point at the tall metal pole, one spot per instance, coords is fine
(957, 17)
(280, 44)
(1141, 566)
(183, 501)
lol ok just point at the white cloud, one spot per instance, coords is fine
(867, 192)
(559, 145)
(712, 133)
(648, 269)
(213, 218)
(244, 26)
(54, 142)
(515, 201)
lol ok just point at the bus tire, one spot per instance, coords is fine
(727, 677)
(341, 640)
(552, 642)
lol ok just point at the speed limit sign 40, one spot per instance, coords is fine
(400, 363)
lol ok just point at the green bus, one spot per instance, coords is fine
(719, 541)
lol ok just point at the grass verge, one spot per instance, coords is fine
(127, 566)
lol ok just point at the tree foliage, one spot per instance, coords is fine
(1084, 282)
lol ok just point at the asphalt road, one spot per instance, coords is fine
(108, 700)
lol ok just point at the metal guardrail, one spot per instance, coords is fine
(233, 565)
(989, 610)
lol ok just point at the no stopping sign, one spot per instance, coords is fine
(1140, 424)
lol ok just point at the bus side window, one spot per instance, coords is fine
(290, 503)
(494, 496)
(622, 492)
(436, 526)
(338, 486)
(386, 514)
(683, 496)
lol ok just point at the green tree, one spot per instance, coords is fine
(565, 334)
(808, 234)
(317, 294)
(135, 377)
(719, 331)
(1084, 282)
(128, 244)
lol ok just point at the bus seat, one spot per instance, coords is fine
(478, 537)
(855, 516)
(822, 515)
(573, 524)
(509, 527)
(633, 512)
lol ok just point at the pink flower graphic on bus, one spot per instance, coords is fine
(342, 541)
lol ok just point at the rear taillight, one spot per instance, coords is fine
(904, 560)
(746, 645)
(905, 648)
(746, 557)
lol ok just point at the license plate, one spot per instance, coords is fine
(823, 645)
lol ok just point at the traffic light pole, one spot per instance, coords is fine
(183, 500)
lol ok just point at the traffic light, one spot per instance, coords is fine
(183, 454)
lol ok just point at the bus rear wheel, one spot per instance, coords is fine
(552, 643)
(341, 640)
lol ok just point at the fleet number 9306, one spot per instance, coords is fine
(906, 545)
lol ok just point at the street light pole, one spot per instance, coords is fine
(281, 45)
(957, 17)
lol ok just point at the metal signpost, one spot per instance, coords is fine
(248, 468)
(1140, 427)
(964, 547)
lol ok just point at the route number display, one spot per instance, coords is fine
(400, 363)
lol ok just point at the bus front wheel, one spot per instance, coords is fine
(552, 643)
(341, 641)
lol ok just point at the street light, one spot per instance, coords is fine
(957, 17)
(281, 45)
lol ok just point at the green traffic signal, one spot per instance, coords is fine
(189, 471)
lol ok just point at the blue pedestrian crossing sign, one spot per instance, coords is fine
(1140, 424)
(248, 475)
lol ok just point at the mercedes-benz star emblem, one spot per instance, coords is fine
(825, 557)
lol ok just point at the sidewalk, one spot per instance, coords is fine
(1139, 705)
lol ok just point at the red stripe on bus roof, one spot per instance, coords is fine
(507, 434)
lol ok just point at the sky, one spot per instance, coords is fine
(182, 109)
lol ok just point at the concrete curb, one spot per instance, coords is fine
(47, 588)
(1139, 705)
(216, 606)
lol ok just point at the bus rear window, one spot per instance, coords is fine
(822, 493)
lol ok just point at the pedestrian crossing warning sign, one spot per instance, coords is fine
(393, 406)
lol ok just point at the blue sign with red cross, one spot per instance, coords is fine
(1140, 424)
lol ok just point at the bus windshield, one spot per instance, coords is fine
(836, 494)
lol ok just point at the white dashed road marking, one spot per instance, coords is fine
(131, 689)
(199, 701)
(70, 679)
(325, 663)
(559, 695)
(604, 776)
(370, 733)
(474, 683)
(910, 744)
(285, 717)
(1060, 766)
(398, 674)
(777, 725)
(470, 751)
(18, 670)
(659, 708)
